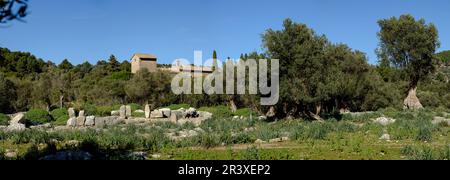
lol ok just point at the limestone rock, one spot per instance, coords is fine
(262, 118)
(9, 154)
(81, 120)
(284, 139)
(71, 112)
(18, 119)
(147, 111)
(81, 113)
(99, 122)
(205, 115)
(110, 121)
(139, 111)
(259, 141)
(440, 120)
(179, 113)
(128, 111)
(90, 121)
(166, 112)
(115, 113)
(384, 121)
(174, 118)
(156, 156)
(271, 113)
(123, 111)
(157, 114)
(72, 122)
(42, 126)
(191, 113)
(385, 137)
(16, 127)
(275, 140)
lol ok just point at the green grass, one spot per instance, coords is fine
(3, 119)
(178, 106)
(412, 137)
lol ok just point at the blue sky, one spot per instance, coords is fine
(90, 30)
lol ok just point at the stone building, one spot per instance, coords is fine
(143, 61)
(149, 62)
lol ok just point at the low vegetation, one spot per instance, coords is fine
(351, 137)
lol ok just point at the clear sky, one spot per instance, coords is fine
(91, 30)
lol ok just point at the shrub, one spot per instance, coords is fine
(138, 114)
(4, 119)
(318, 131)
(218, 111)
(424, 134)
(62, 120)
(251, 153)
(38, 116)
(135, 106)
(297, 133)
(429, 99)
(445, 153)
(209, 140)
(90, 110)
(57, 113)
(267, 132)
(106, 110)
(414, 153)
(244, 112)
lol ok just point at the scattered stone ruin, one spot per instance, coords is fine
(124, 116)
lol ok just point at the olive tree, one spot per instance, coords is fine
(409, 45)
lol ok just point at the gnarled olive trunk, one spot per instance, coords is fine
(412, 101)
(233, 106)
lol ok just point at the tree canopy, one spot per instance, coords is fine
(410, 46)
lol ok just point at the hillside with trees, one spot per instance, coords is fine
(318, 78)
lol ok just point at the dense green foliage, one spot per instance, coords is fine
(58, 113)
(408, 46)
(3, 119)
(444, 56)
(38, 116)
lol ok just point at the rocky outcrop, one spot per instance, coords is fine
(384, 121)
(440, 120)
(71, 112)
(16, 127)
(147, 111)
(19, 118)
(166, 112)
(72, 122)
(128, 112)
(90, 121)
(156, 114)
(123, 111)
(81, 120)
(115, 113)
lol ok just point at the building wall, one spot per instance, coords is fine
(137, 64)
(149, 65)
